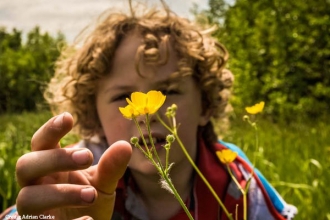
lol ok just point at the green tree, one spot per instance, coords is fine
(280, 52)
(25, 67)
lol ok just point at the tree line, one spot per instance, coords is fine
(25, 66)
(279, 53)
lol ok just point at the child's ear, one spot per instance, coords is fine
(205, 117)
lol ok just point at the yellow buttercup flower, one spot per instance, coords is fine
(141, 104)
(128, 112)
(226, 156)
(257, 108)
(155, 100)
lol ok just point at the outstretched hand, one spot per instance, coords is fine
(60, 181)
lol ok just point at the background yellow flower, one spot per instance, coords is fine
(226, 156)
(256, 108)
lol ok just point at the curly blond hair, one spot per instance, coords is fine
(78, 69)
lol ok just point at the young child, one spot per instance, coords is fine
(152, 50)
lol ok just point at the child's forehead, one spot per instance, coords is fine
(133, 54)
(155, 82)
(134, 39)
(128, 45)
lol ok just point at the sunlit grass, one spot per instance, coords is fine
(16, 131)
(294, 157)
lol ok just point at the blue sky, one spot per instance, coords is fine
(70, 16)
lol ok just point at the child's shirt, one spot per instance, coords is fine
(263, 202)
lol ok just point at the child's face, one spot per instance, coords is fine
(123, 80)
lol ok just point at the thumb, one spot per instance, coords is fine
(112, 166)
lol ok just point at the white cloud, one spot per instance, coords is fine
(70, 16)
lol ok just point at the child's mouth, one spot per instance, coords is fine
(158, 142)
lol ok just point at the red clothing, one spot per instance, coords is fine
(201, 203)
(263, 200)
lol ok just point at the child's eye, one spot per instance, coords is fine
(121, 97)
(171, 92)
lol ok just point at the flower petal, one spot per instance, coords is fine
(139, 99)
(128, 112)
(155, 100)
(256, 108)
(226, 156)
(141, 103)
(138, 102)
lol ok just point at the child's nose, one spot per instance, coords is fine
(142, 119)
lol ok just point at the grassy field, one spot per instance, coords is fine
(294, 157)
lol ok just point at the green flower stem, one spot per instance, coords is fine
(151, 141)
(244, 192)
(255, 127)
(144, 141)
(159, 167)
(202, 176)
(174, 132)
(166, 159)
(177, 196)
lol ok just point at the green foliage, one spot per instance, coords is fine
(25, 67)
(15, 134)
(280, 52)
(294, 158)
(15, 137)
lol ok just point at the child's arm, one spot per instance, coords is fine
(60, 182)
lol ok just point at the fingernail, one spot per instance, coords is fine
(88, 195)
(58, 121)
(81, 157)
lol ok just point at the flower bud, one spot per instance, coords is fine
(168, 113)
(167, 146)
(134, 140)
(245, 118)
(169, 109)
(170, 138)
(174, 107)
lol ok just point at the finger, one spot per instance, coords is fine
(112, 166)
(49, 135)
(33, 200)
(34, 165)
(84, 218)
